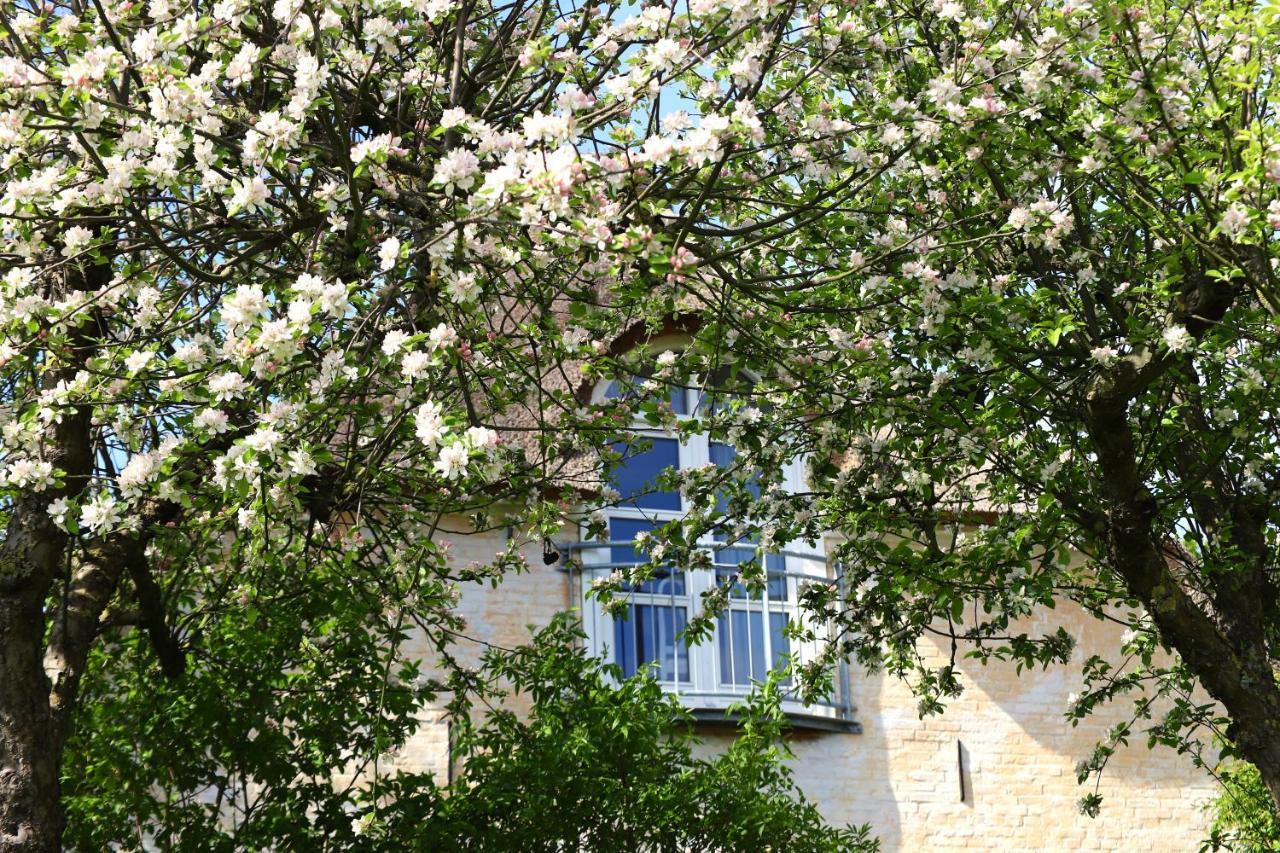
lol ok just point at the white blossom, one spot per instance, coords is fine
(430, 426)
(33, 474)
(453, 460)
(388, 253)
(301, 463)
(414, 364)
(213, 420)
(227, 386)
(101, 515)
(1177, 338)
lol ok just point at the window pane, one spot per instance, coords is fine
(716, 398)
(741, 647)
(676, 397)
(742, 651)
(781, 644)
(729, 560)
(775, 585)
(647, 635)
(666, 581)
(723, 456)
(635, 477)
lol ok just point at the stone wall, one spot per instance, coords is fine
(902, 774)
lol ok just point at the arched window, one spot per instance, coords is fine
(752, 635)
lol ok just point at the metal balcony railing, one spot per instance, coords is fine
(750, 636)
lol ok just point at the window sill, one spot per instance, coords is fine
(714, 708)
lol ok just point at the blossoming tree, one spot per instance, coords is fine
(1029, 346)
(273, 274)
(288, 284)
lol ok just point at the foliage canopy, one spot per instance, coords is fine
(290, 287)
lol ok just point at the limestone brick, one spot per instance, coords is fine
(901, 774)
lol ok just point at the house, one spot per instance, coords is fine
(995, 772)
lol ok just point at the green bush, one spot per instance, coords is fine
(1244, 817)
(603, 763)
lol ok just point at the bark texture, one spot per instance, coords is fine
(35, 713)
(1219, 631)
(32, 728)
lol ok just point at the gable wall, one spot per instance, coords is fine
(901, 774)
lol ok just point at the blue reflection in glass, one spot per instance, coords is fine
(648, 635)
(635, 477)
(729, 562)
(624, 530)
(723, 455)
(741, 637)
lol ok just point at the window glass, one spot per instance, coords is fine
(723, 455)
(742, 648)
(647, 634)
(635, 476)
(716, 398)
(750, 635)
(676, 397)
(729, 562)
(624, 530)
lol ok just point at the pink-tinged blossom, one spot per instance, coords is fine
(393, 341)
(573, 98)
(227, 386)
(441, 337)
(83, 72)
(463, 288)
(657, 149)
(141, 469)
(481, 438)
(457, 169)
(33, 474)
(1104, 354)
(547, 128)
(665, 54)
(454, 117)
(377, 149)
(213, 420)
(415, 363)
(1235, 222)
(264, 440)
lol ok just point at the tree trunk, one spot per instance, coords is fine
(1221, 642)
(1261, 746)
(30, 807)
(35, 712)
